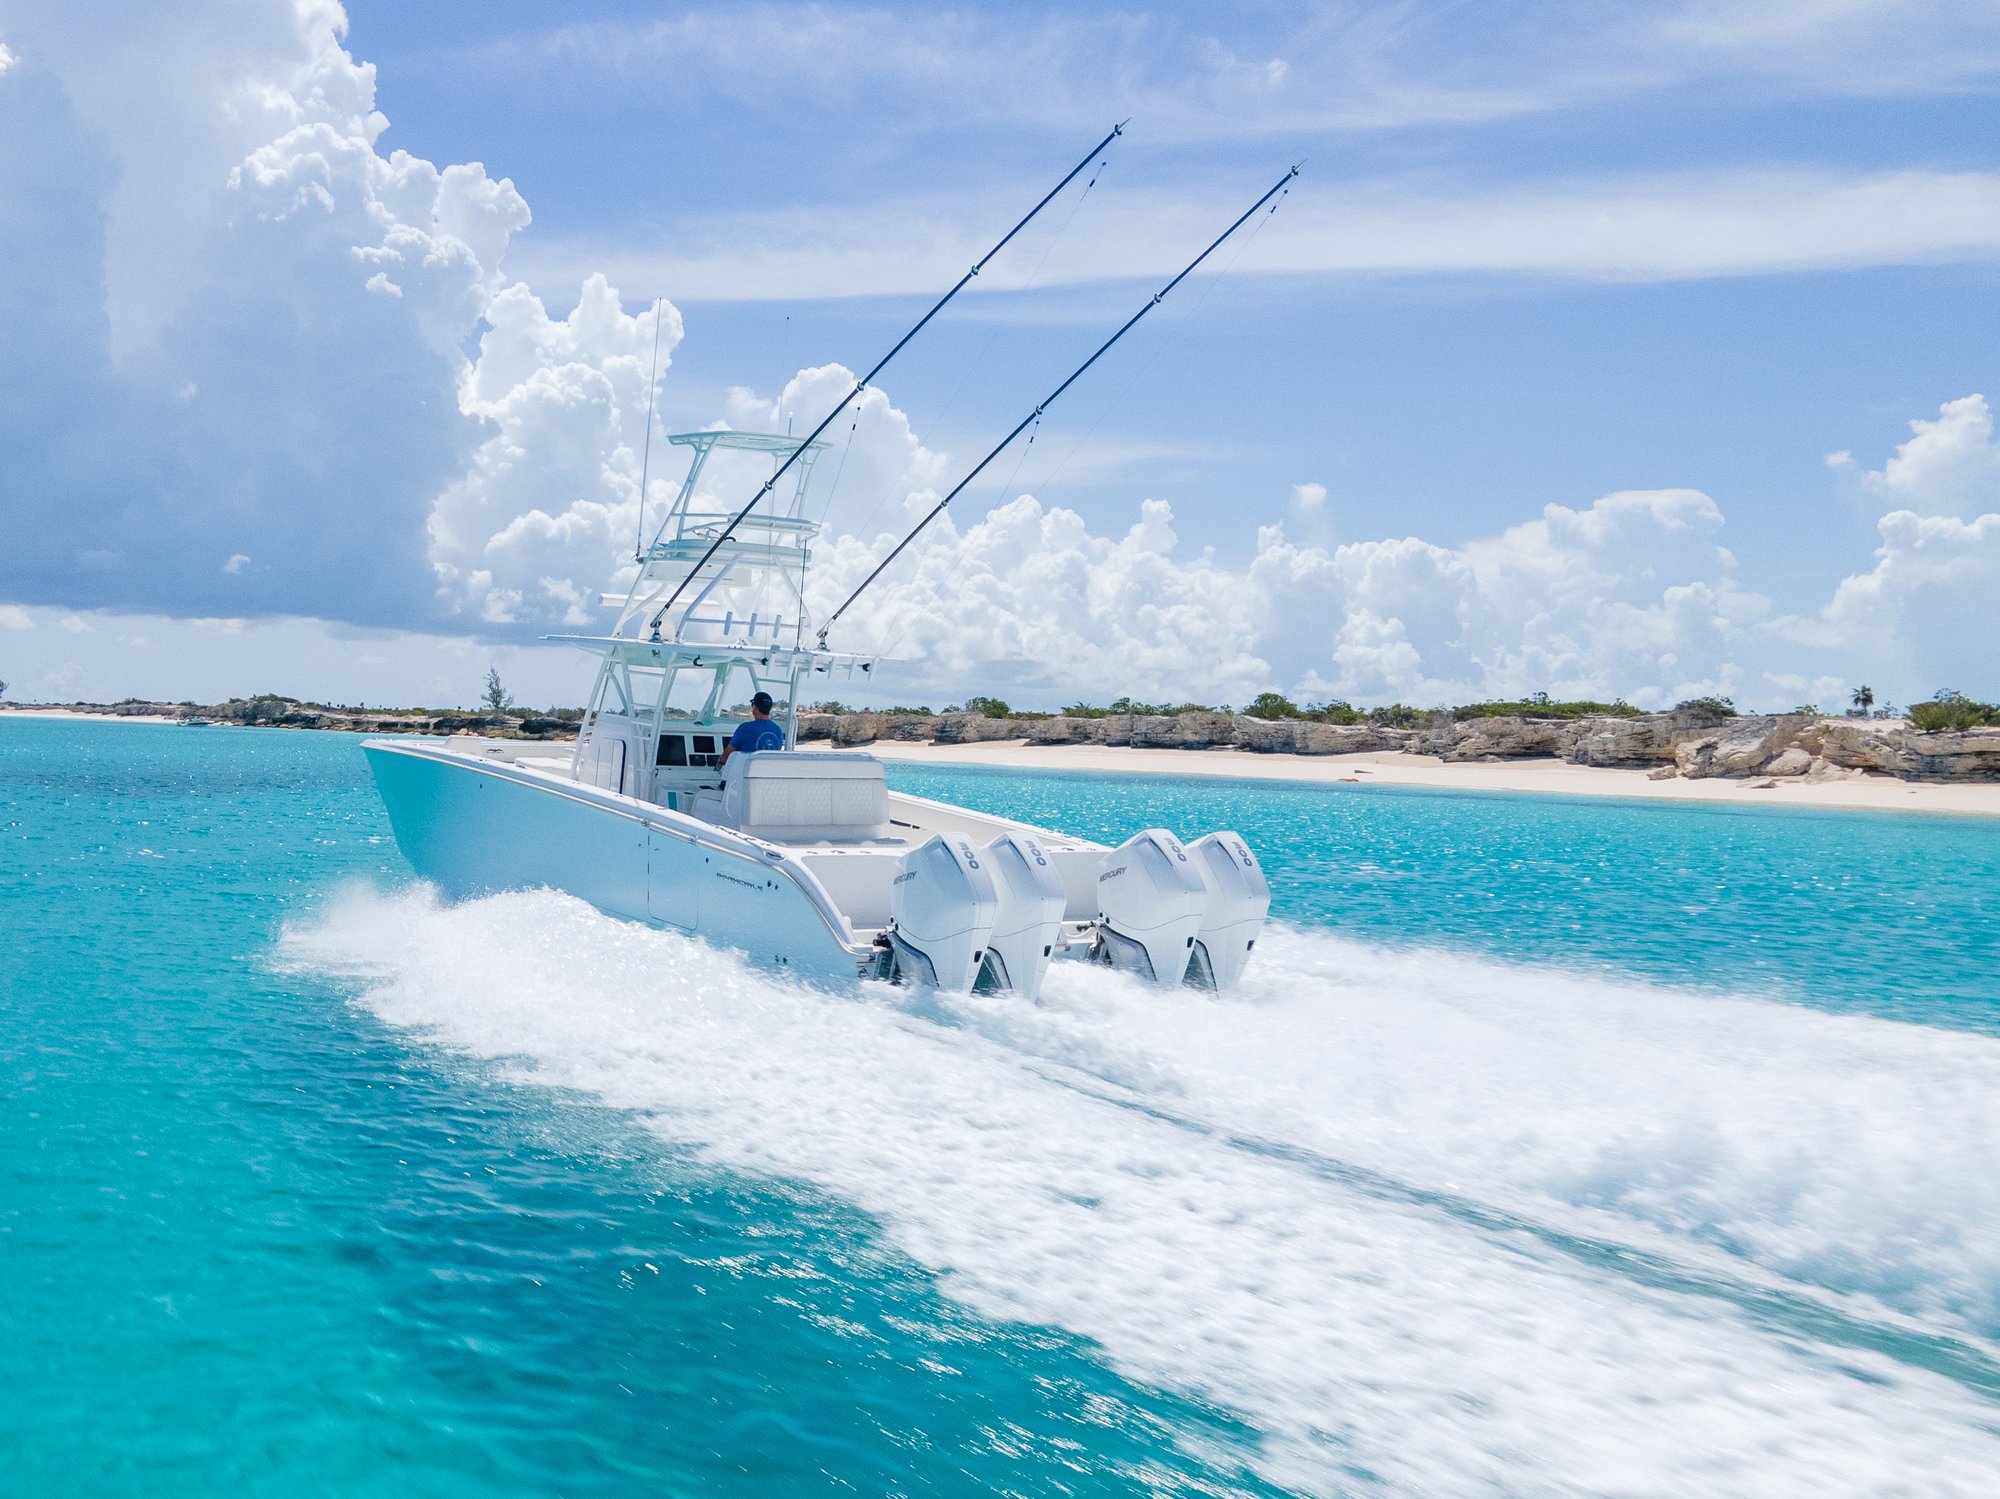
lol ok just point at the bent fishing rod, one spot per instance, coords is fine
(880, 364)
(1050, 399)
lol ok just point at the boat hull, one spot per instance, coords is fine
(473, 829)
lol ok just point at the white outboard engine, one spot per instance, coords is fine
(1030, 916)
(1152, 898)
(1238, 901)
(941, 913)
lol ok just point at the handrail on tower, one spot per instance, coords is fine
(691, 549)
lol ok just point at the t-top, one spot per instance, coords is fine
(757, 734)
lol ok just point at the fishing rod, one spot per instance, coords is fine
(1050, 399)
(863, 383)
(646, 462)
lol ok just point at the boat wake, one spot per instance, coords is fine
(1430, 1224)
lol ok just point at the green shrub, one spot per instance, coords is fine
(1337, 711)
(1707, 707)
(1158, 710)
(1539, 705)
(1952, 710)
(1125, 705)
(1275, 705)
(1396, 716)
(1272, 705)
(988, 707)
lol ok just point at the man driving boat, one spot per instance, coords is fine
(758, 733)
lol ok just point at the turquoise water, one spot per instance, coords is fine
(1552, 1147)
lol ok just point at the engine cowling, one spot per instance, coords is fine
(1029, 919)
(941, 911)
(1238, 901)
(1151, 898)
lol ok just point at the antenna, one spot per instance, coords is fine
(646, 460)
(863, 383)
(1050, 399)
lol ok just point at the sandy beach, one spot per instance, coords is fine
(1393, 768)
(9, 711)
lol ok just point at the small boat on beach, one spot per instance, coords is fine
(803, 859)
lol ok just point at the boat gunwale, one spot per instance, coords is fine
(652, 816)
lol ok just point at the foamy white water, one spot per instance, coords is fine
(1849, 1153)
(1375, 1338)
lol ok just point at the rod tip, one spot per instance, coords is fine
(1119, 128)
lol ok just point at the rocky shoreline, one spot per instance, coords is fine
(1692, 744)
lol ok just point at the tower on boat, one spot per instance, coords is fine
(708, 622)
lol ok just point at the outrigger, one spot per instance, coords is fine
(802, 859)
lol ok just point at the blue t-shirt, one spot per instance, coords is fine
(757, 734)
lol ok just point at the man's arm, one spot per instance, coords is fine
(732, 747)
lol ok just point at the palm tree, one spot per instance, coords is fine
(1864, 699)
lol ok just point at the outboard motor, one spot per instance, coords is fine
(1030, 915)
(1238, 901)
(941, 911)
(1152, 898)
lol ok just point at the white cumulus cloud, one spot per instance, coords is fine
(548, 508)
(1950, 466)
(1923, 615)
(1629, 595)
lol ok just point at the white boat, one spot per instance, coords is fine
(802, 859)
(805, 860)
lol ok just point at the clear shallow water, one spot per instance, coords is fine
(1554, 1147)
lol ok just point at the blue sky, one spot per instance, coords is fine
(1734, 384)
(1541, 256)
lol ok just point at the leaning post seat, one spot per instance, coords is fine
(805, 795)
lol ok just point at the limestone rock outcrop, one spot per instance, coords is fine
(1953, 755)
(1501, 738)
(1631, 742)
(1744, 747)
(1060, 730)
(1300, 736)
(1893, 747)
(974, 728)
(1861, 743)
(1639, 742)
(1796, 761)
